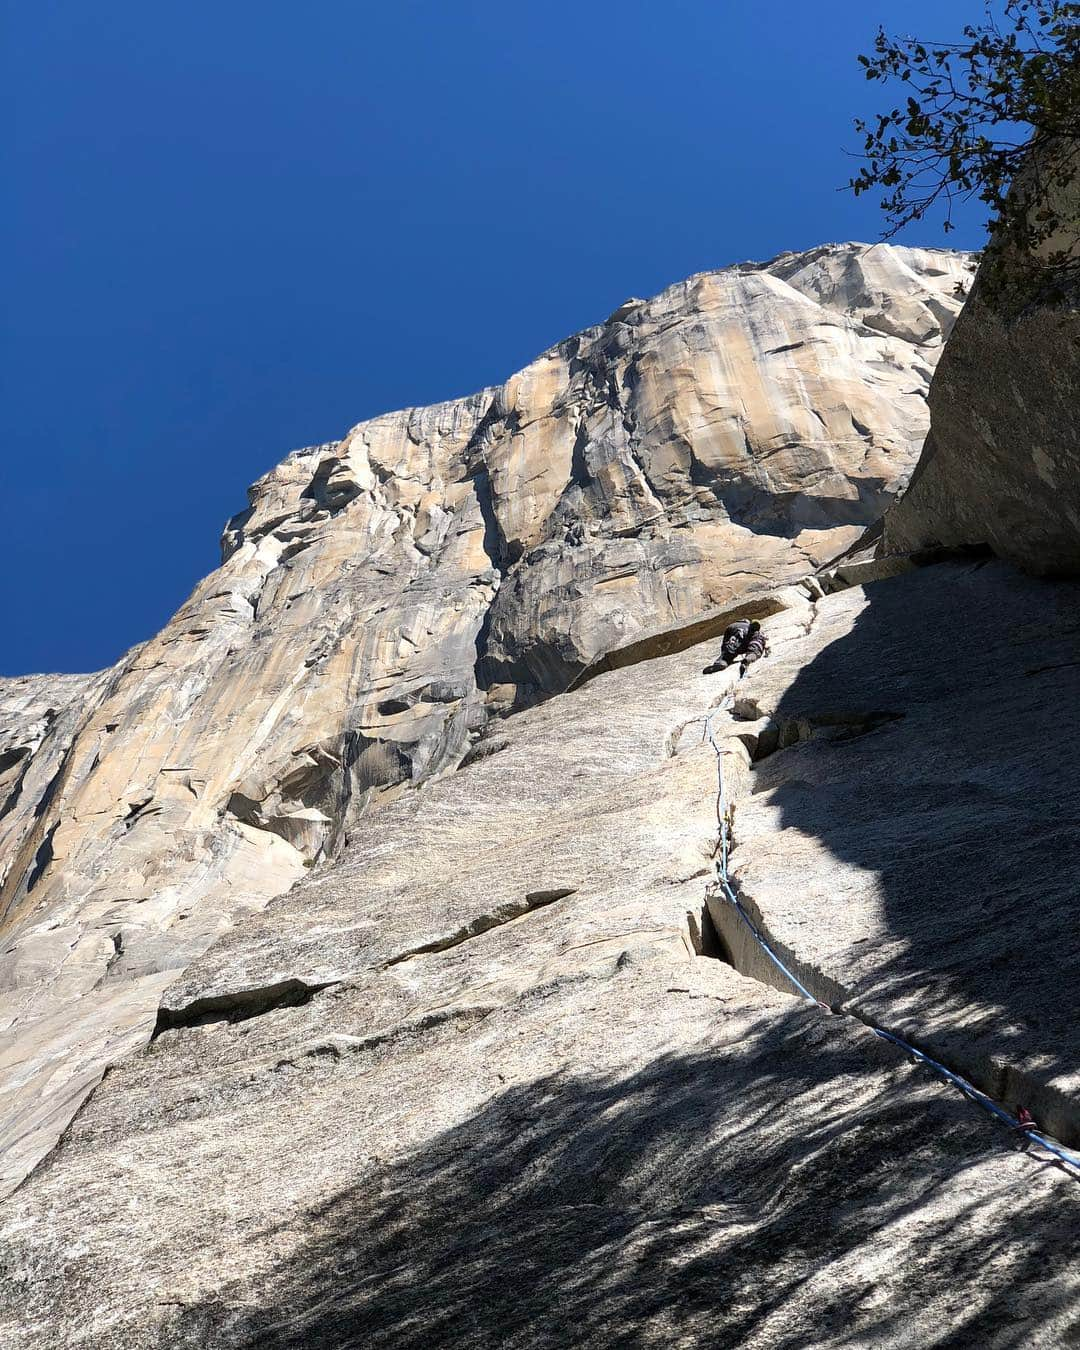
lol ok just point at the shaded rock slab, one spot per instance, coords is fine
(510, 1106)
(915, 848)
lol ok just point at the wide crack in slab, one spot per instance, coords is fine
(238, 1005)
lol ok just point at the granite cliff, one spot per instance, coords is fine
(384, 596)
(382, 880)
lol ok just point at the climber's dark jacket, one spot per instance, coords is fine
(744, 639)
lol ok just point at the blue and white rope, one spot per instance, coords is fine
(1069, 1160)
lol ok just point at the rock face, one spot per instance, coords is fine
(481, 1084)
(914, 848)
(1001, 465)
(385, 596)
(29, 708)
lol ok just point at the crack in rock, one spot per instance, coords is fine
(338, 1045)
(238, 1005)
(1002, 1082)
(514, 909)
(763, 734)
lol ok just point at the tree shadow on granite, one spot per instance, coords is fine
(710, 1199)
(963, 805)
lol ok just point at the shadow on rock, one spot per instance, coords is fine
(959, 808)
(796, 1185)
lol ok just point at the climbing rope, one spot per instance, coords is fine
(1021, 1123)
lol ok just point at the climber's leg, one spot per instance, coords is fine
(755, 650)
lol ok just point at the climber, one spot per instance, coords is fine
(744, 639)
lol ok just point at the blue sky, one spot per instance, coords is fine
(239, 227)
